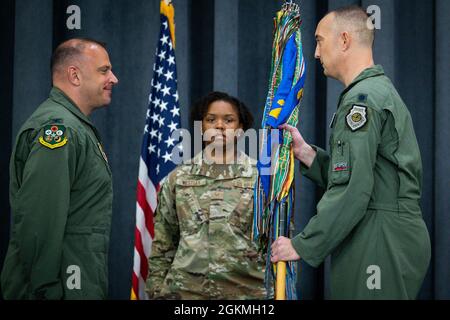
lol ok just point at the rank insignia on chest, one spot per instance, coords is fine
(54, 136)
(357, 117)
(362, 98)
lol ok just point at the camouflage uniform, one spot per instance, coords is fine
(202, 247)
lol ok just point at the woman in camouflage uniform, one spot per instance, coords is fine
(202, 247)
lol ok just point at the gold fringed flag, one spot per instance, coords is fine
(274, 190)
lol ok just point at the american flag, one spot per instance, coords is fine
(163, 117)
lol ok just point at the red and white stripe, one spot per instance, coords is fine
(144, 231)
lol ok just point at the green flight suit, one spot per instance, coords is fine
(61, 201)
(369, 218)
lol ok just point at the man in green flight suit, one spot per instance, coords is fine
(369, 218)
(61, 185)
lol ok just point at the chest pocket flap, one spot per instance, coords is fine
(190, 213)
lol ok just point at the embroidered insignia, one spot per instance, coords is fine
(217, 195)
(192, 183)
(340, 166)
(54, 136)
(357, 117)
(102, 152)
(362, 98)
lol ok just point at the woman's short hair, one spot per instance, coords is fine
(200, 108)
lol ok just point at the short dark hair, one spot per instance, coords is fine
(358, 18)
(69, 50)
(200, 108)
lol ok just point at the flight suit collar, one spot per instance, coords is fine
(375, 71)
(371, 72)
(60, 97)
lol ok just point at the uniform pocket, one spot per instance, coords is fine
(242, 215)
(89, 239)
(190, 214)
(86, 253)
(340, 163)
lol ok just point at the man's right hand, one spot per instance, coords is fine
(302, 151)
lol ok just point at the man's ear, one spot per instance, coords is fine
(73, 75)
(345, 40)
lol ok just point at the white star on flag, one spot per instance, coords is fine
(166, 90)
(162, 55)
(156, 102)
(168, 75)
(173, 126)
(175, 111)
(170, 142)
(155, 117)
(167, 157)
(161, 122)
(164, 39)
(154, 133)
(171, 60)
(163, 106)
(160, 71)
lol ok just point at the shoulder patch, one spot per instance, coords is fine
(53, 136)
(357, 117)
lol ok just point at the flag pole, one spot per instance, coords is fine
(280, 285)
(281, 281)
(274, 195)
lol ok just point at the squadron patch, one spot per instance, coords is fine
(357, 117)
(54, 136)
